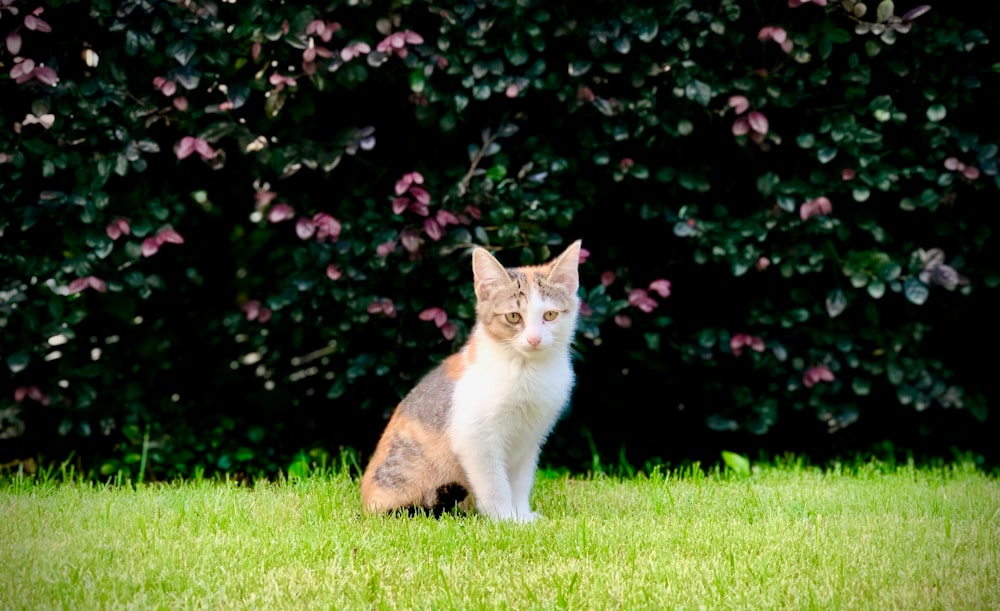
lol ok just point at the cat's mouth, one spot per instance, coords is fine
(531, 349)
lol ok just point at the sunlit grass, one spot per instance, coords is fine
(784, 537)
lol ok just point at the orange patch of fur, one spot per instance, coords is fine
(437, 467)
(454, 366)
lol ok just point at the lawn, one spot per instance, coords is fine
(867, 536)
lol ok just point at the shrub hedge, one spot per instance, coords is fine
(232, 231)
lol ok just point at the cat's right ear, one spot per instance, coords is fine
(489, 275)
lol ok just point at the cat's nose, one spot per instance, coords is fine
(534, 341)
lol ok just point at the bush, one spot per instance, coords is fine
(233, 231)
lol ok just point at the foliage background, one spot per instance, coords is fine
(233, 234)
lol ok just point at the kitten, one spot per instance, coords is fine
(478, 420)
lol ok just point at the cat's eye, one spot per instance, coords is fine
(550, 315)
(513, 317)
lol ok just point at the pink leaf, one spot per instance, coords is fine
(38, 25)
(251, 309)
(410, 239)
(971, 172)
(97, 284)
(433, 229)
(607, 278)
(741, 126)
(641, 299)
(420, 194)
(118, 227)
(815, 207)
(184, 148)
(326, 226)
(816, 374)
(779, 35)
(265, 315)
(419, 208)
(399, 204)
(952, 163)
(736, 343)
(739, 103)
(413, 38)
(77, 285)
(150, 246)
(169, 235)
(511, 91)
(915, 12)
(585, 309)
(280, 212)
(316, 26)
(758, 122)
(181, 103)
(438, 315)
(333, 272)
(765, 33)
(31, 392)
(762, 263)
(46, 75)
(661, 287)
(446, 217)
(584, 255)
(385, 248)
(351, 51)
(403, 184)
(623, 321)
(305, 228)
(386, 306)
(14, 43)
(449, 330)
(22, 70)
(46, 120)
(263, 198)
(203, 148)
(88, 282)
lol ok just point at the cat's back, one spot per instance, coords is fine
(430, 401)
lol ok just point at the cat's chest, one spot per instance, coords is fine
(532, 390)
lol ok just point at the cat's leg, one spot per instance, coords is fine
(522, 479)
(483, 462)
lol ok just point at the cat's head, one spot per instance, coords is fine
(529, 309)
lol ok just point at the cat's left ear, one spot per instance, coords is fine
(564, 269)
(488, 273)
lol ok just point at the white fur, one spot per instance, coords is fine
(504, 406)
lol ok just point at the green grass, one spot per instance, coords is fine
(785, 537)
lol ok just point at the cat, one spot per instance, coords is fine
(476, 423)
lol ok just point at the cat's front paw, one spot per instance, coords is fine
(530, 516)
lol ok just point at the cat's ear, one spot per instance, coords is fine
(489, 275)
(563, 269)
